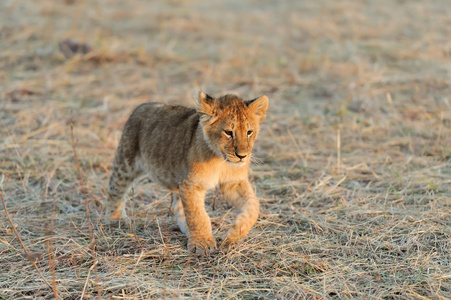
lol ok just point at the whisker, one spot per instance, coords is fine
(255, 159)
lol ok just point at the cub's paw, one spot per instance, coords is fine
(233, 235)
(202, 245)
(117, 219)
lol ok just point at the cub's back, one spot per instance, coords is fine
(162, 135)
(164, 117)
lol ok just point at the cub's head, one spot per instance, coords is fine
(231, 125)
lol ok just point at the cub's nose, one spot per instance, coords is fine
(240, 156)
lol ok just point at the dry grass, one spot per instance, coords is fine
(355, 173)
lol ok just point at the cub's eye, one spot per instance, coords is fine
(228, 133)
(250, 132)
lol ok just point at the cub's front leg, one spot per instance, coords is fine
(242, 196)
(200, 239)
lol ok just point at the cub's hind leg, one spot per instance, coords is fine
(241, 195)
(179, 213)
(125, 170)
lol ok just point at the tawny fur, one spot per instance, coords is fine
(190, 151)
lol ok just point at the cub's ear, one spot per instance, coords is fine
(206, 106)
(258, 107)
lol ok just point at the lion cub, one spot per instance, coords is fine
(190, 151)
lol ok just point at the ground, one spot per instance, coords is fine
(354, 158)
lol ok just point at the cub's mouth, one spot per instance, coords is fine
(235, 161)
